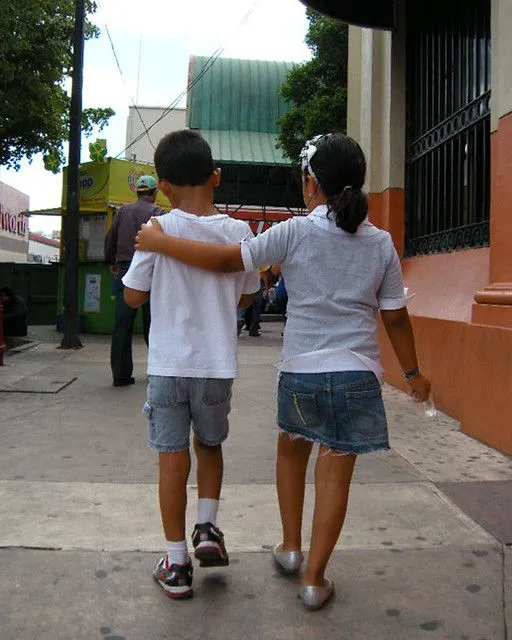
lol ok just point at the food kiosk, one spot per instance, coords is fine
(104, 187)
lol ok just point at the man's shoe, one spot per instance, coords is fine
(175, 580)
(209, 546)
(123, 382)
(254, 334)
(239, 326)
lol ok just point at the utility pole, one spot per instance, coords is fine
(70, 339)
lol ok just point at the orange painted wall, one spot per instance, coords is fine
(471, 373)
(469, 365)
(444, 285)
(386, 211)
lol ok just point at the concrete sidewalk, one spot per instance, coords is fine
(423, 554)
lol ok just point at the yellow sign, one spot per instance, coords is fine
(109, 185)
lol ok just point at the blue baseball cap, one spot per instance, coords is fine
(146, 183)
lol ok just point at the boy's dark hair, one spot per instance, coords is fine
(184, 158)
(340, 167)
(7, 291)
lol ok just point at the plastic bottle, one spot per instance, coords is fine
(429, 408)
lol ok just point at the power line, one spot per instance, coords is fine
(146, 130)
(208, 65)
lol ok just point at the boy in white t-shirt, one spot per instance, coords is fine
(192, 356)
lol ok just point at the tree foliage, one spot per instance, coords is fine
(35, 66)
(317, 89)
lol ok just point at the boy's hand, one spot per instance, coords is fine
(149, 236)
(420, 388)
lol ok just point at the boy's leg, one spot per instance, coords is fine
(210, 411)
(172, 490)
(210, 469)
(168, 413)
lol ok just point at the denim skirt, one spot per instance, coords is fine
(342, 410)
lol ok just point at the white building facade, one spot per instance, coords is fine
(13, 224)
(140, 146)
(42, 250)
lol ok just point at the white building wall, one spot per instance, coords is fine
(501, 55)
(42, 253)
(13, 224)
(143, 117)
(376, 103)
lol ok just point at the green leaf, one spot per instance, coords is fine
(35, 63)
(317, 89)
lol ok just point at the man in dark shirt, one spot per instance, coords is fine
(119, 250)
(14, 313)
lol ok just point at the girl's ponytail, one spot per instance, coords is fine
(338, 165)
(350, 208)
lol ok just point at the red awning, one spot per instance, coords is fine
(376, 14)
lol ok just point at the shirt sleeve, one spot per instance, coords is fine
(269, 247)
(391, 294)
(140, 273)
(252, 278)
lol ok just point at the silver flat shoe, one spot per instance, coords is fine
(288, 561)
(315, 597)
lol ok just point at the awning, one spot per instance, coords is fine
(55, 211)
(376, 14)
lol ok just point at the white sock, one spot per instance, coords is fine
(177, 552)
(207, 510)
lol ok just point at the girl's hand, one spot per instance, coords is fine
(420, 388)
(149, 237)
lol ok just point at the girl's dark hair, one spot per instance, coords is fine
(339, 166)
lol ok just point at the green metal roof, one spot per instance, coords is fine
(235, 105)
(245, 147)
(236, 95)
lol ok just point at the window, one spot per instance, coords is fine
(448, 126)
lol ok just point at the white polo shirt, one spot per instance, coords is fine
(193, 329)
(336, 282)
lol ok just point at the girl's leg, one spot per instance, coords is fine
(292, 462)
(333, 474)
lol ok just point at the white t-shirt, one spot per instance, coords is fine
(193, 312)
(336, 282)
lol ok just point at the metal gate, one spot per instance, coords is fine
(37, 284)
(448, 126)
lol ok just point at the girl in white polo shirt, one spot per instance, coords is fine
(340, 271)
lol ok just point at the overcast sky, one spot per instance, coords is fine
(166, 32)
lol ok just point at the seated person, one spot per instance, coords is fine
(14, 313)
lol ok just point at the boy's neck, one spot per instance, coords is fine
(197, 203)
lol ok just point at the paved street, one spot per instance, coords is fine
(423, 554)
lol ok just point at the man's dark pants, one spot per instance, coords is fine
(121, 347)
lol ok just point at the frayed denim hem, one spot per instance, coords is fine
(162, 448)
(337, 448)
(211, 443)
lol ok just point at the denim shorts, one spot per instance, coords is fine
(342, 410)
(174, 404)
